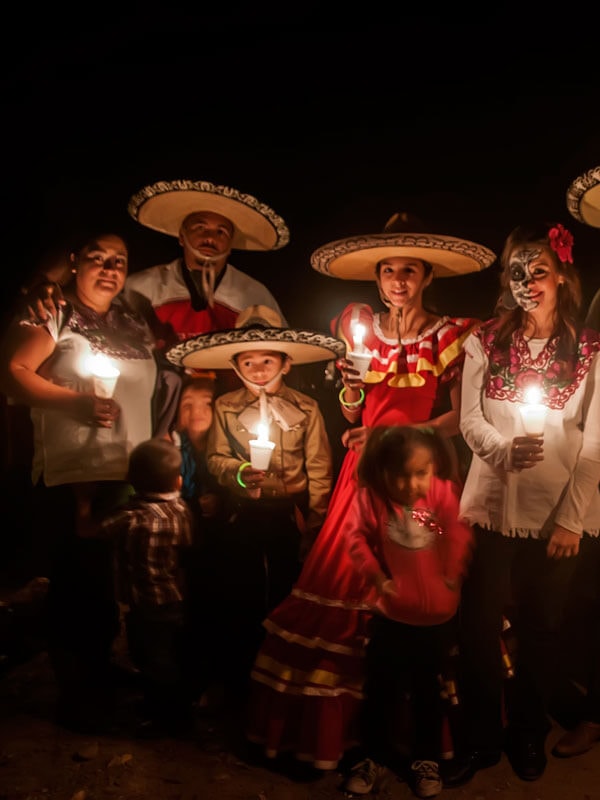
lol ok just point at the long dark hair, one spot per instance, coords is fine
(567, 320)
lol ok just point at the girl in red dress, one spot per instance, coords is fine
(308, 676)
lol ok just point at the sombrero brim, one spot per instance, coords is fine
(583, 198)
(356, 258)
(215, 350)
(164, 205)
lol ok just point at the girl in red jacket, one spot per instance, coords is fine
(406, 541)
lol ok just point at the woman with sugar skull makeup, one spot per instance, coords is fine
(529, 498)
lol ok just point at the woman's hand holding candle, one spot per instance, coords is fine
(533, 412)
(104, 376)
(526, 451)
(350, 375)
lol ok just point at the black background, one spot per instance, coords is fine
(334, 116)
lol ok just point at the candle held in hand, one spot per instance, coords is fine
(533, 412)
(359, 356)
(261, 448)
(358, 335)
(104, 375)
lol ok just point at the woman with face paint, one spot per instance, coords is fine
(529, 497)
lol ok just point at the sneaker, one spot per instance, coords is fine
(363, 777)
(426, 779)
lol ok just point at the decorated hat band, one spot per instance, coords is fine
(163, 206)
(257, 328)
(583, 198)
(356, 257)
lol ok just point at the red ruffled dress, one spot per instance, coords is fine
(307, 679)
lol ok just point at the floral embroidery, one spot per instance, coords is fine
(118, 334)
(561, 241)
(512, 373)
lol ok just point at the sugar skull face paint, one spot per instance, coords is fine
(521, 277)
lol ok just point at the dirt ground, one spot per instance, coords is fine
(40, 760)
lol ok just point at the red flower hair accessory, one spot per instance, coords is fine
(561, 241)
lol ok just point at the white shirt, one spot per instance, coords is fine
(66, 450)
(163, 284)
(563, 488)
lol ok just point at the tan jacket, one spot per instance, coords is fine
(301, 462)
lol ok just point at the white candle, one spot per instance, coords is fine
(261, 449)
(533, 412)
(358, 335)
(104, 374)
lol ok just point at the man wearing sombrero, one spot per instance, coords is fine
(276, 508)
(309, 673)
(201, 291)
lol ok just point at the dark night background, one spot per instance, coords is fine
(473, 121)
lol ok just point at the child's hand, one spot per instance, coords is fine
(385, 586)
(355, 438)
(388, 589)
(350, 375)
(254, 479)
(451, 583)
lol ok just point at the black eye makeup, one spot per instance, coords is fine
(517, 273)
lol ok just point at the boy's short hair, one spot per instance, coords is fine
(155, 466)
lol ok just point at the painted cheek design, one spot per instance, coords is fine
(521, 278)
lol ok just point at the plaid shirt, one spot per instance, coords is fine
(149, 532)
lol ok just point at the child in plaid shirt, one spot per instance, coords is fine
(151, 533)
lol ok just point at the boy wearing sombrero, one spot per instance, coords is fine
(277, 511)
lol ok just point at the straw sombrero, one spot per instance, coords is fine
(257, 328)
(583, 198)
(164, 205)
(356, 257)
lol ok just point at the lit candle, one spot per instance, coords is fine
(533, 412)
(261, 448)
(104, 374)
(358, 335)
(262, 433)
(360, 356)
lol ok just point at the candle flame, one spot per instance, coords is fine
(358, 333)
(101, 366)
(533, 395)
(262, 433)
